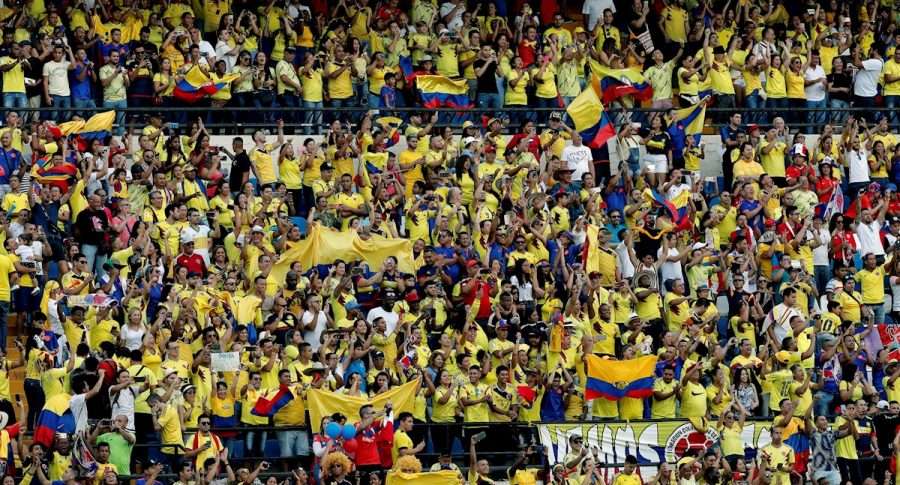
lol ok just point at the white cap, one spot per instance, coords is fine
(882, 404)
(698, 245)
(257, 229)
(187, 237)
(468, 139)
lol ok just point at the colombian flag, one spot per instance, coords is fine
(391, 126)
(687, 122)
(615, 83)
(61, 175)
(406, 68)
(794, 435)
(443, 92)
(56, 417)
(591, 122)
(615, 379)
(97, 127)
(677, 207)
(268, 407)
(196, 84)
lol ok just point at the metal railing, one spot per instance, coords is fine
(500, 460)
(241, 119)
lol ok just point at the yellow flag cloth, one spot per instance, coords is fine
(325, 403)
(443, 477)
(324, 246)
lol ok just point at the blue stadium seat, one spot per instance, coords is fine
(301, 224)
(272, 447)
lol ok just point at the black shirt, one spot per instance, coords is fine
(91, 226)
(886, 428)
(34, 70)
(842, 80)
(487, 82)
(240, 166)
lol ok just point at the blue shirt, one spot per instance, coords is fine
(452, 270)
(9, 163)
(105, 49)
(81, 89)
(388, 97)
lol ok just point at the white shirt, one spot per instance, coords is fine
(669, 270)
(625, 265)
(222, 53)
(525, 289)
(594, 10)
(577, 158)
(57, 74)
(859, 166)
(200, 235)
(123, 404)
(780, 318)
(815, 91)
(455, 22)
(869, 236)
(209, 50)
(865, 83)
(133, 338)
(313, 337)
(820, 252)
(79, 411)
(390, 319)
(895, 294)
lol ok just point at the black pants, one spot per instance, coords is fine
(850, 470)
(443, 434)
(143, 433)
(34, 394)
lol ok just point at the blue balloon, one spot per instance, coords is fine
(333, 430)
(349, 431)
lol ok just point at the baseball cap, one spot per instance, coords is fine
(799, 149)
(783, 356)
(257, 229)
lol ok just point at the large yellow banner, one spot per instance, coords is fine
(324, 246)
(325, 403)
(444, 477)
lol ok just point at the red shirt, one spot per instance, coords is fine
(840, 237)
(484, 309)
(193, 262)
(797, 171)
(825, 188)
(528, 51)
(865, 201)
(367, 445)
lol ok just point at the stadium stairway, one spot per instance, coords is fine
(16, 376)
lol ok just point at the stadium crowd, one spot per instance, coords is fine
(132, 261)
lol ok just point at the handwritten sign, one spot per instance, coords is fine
(226, 361)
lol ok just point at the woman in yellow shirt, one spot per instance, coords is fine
(375, 73)
(289, 171)
(164, 82)
(795, 83)
(689, 77)
(879, 163)
(751, 72)
(545, 83)
(776, 89)
(517, 80)
(730, 428)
